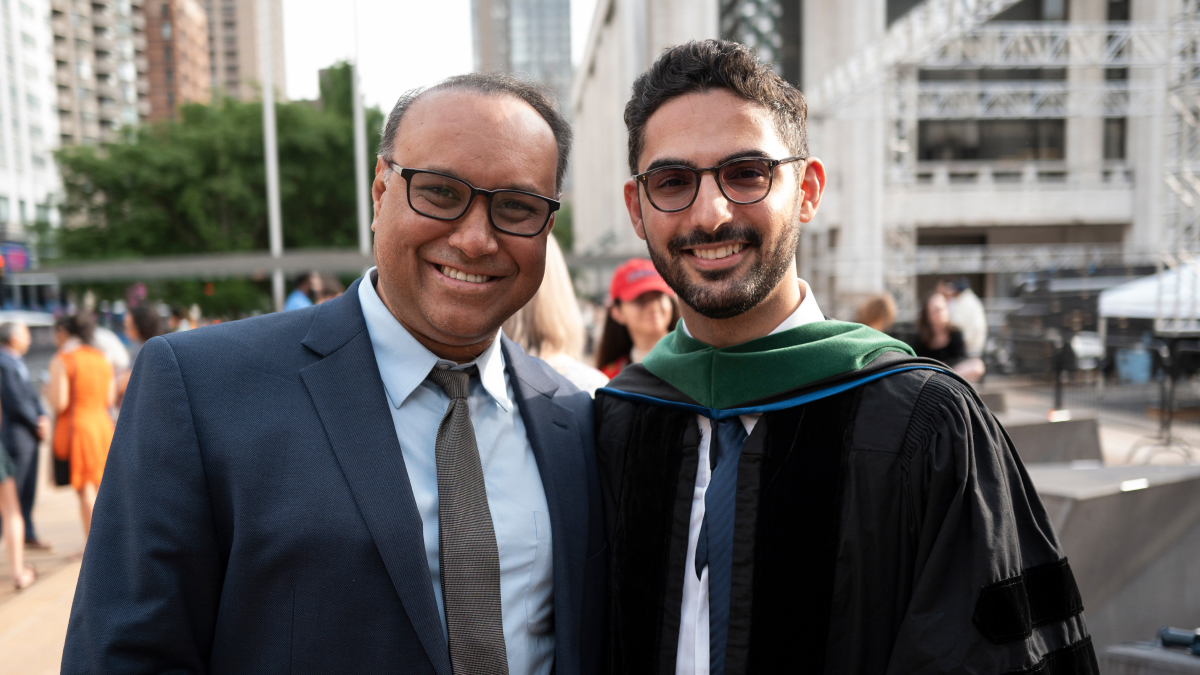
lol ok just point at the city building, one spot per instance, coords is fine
(531, 38)
(233, 48)
(100, 68)
(28, 119)
(624, 39)
(177, 52)
(986, 139)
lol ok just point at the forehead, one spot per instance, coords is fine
(707, 127)
(490, 140)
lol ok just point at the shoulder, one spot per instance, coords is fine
(895, 409)
(269, 343)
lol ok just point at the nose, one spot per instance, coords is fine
(473, 233)
(711, 209)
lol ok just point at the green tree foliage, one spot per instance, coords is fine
(197, 184)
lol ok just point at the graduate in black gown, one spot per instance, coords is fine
(785, 493)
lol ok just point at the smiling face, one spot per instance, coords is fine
(723, 259)
(452, 283)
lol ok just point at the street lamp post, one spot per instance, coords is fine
(270, 147)
(360, 151)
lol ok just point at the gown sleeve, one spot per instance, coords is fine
(990, 590)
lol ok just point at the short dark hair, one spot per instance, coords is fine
(703, 65)
(488, 84)
(81, 325)
(147, 322)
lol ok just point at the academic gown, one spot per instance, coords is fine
(886, 528)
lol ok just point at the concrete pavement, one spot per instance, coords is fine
(33, 622)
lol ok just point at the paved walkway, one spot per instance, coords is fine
(33, 622)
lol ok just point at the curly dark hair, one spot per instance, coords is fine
(703, 65)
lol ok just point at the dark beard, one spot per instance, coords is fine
(711, 297)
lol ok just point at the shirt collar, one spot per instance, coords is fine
(404, 363)
(807, 312)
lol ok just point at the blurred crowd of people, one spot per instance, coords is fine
(588, 344)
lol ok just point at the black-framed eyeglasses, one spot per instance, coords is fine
(743, 180)
(442, 197)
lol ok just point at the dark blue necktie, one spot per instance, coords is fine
(714, 548)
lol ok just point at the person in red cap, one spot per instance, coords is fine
(641, 312)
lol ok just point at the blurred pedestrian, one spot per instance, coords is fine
(330, 289)
(549, 325)
(968, 314)
(642, 312)
(178, 321)
(23, 422)
(113, 348)
(941, 340)
(81, 390)
(14, 525)
(307, 290)
(878, 312)
(141, 324)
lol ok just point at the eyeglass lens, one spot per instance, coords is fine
(743, 181)
(446, 198)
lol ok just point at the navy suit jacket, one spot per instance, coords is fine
(19, 409)
(256, 517)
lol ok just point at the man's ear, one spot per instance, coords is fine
(378, 186)
(813, 187)
(616, 314)
(634, 205)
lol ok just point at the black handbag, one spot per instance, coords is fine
(62, 472)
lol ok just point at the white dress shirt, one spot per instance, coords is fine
(691, 656)
(520, 514)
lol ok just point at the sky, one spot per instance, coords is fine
(403, 43)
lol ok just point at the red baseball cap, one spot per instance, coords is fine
(634, 277)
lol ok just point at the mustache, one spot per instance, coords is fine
(729, 233)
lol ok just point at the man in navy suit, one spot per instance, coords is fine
(280, 496)
(23, 422)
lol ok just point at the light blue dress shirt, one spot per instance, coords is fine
(516, 498)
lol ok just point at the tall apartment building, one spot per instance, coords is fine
(233, 44)
(100, 66)
(1030, 139)
(28, 124)
(528, 37)
(177, 52)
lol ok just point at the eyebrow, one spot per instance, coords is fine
(524, 187)
(740, 154)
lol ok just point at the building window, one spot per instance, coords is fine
(941, 140)
(4, 214)
(166, 30)
(170, 99)
(1114, 138)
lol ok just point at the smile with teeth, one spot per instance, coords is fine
(463, 276)
(717, 253)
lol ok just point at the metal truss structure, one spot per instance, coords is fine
(914, 38)
(1181, 166)
(1030, 100)
(1045, 44)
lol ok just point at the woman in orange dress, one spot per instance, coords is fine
(81, 390)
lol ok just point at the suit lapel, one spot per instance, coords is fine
(554, 436)
(349, 396)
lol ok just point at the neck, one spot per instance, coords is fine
(756, 323)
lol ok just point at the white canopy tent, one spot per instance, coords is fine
(1171, 297)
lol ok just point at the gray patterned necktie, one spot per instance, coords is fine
(468, 555)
